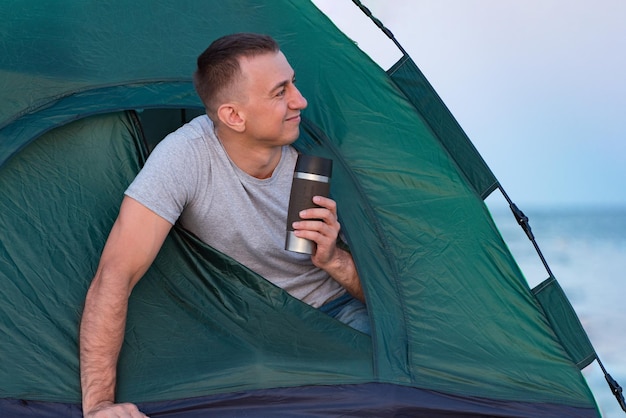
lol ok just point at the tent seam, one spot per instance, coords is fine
(319, 134)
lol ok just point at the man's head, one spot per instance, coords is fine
(248, 88)
(219, 69)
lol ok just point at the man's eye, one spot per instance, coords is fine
(281, 92)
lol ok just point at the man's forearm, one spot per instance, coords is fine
(101, 335)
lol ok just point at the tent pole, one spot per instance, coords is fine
(616, 389)
(380, 25)
(522, 220)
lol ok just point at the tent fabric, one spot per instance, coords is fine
(451, 312)
(51, 238)
(565, 322)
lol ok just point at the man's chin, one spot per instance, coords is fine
(294, 137)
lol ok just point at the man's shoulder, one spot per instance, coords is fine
(192, 135)
(199, 127)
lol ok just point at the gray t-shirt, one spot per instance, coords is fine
(190, 178)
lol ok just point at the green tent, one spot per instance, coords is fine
(87, 88)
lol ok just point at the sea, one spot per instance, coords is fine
(585, 248)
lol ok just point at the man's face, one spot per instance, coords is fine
(272, 103)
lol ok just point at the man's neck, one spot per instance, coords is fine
(257, 161)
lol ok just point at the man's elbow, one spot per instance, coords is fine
(111, 283)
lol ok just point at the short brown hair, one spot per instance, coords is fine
(218, 66)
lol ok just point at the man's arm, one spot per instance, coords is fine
(134, 241)
(335, 261)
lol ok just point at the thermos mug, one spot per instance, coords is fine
(311, 177)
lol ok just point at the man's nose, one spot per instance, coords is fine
(297, 100)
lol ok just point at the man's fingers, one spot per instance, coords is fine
(120, 410)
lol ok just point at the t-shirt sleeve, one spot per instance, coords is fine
(165, 182)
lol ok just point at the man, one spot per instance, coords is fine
(227, 179)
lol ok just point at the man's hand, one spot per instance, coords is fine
(111, 410)
(321, 226)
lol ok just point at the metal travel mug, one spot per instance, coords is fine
(310, 178)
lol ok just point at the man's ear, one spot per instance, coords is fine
(230, 116)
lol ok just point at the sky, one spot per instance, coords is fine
(539, 86)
